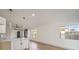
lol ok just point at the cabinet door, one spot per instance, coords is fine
(25, 44)
(17, 45)
(20, 44)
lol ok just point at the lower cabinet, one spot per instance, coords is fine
(20, 44)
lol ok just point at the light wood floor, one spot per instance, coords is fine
(41, 46)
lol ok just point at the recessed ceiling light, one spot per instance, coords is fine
(33, 14)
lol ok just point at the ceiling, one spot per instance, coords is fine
(42, 16)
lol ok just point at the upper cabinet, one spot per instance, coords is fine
(2, 25)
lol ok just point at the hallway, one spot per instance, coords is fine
(41, 46)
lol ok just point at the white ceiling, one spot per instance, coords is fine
(42, 16)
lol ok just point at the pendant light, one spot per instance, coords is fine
(10, 17)
(15, 27)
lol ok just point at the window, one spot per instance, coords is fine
(70, 31)
(18, 34)
(34, 33)
(25, 33)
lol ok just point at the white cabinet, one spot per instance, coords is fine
(25, 44)
(16, 44)
(2, 25)
(20, 44)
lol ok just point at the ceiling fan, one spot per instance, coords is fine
(16, 27)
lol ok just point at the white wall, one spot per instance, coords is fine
(49, 33)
